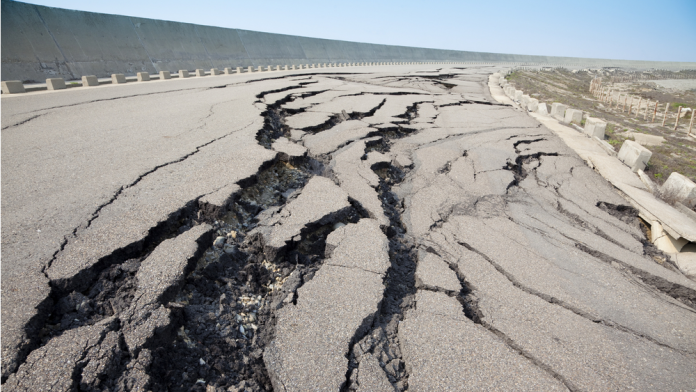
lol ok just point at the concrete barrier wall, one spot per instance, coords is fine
(41, 42)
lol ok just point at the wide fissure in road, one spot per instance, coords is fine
(393, 229)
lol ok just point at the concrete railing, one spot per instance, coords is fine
(17, 87)
(40, 42)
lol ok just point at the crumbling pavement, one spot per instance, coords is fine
(357, 232)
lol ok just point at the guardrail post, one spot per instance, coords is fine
(119, 78)
(676, 123)
(13, 87)
(89, 80)
(55, 83)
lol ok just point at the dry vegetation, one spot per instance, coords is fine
(677, 153)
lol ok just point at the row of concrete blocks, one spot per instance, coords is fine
(16, 86)
(631, 153)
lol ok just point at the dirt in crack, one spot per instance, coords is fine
(111, 284)
(523, 165)
(399, 130)
(230, 299)
(381, 340)
(274, 116)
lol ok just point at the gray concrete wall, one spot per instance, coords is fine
(40, 42)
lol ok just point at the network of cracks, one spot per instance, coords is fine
(208, 326)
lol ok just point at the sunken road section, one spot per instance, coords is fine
(383, 231)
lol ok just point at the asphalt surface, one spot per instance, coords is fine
(392, 228)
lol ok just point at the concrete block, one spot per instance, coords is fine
(12, 87)
(573, 116)
(542, 109)
(518, 95)
(269, 68)
(533, 105)
(55, 83)
(183, 74)
(200, 72)
(239, 70)
(164, 75)
(90, 80)
(143, 77)
(595, 127)
(648, 140)
(215, 71)
(228, 71)
(634, 155)
(558, 111)
(250, 69)
(524, 101)
(118, 78)
(285, 67)
(682, 187)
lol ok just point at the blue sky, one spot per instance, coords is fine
(661, 30)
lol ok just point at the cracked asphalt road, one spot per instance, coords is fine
(375, 229)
